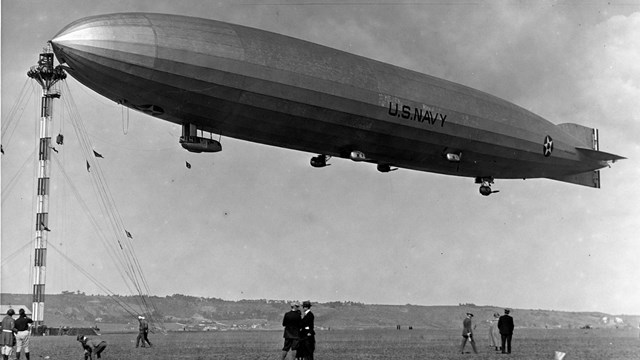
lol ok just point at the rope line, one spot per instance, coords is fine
(120, 246)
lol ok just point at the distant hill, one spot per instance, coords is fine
(196, 313)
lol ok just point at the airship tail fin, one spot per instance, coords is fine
(587, 136)
(590, 141)
(599, 155)
(589, 178)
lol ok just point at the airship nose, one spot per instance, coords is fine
(119, 37)
(58, 50)
(75, 38)
(59, 44)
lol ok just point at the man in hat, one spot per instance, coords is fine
(90, 346)
(467, 334)
(505, 325)
(143, 332)
(8, 337)
(292, 323)
(22, 334)
(307, 344)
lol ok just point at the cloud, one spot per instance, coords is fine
(611, 82)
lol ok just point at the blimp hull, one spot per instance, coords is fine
(268, 88)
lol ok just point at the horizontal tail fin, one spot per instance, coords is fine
(589, 178)
(599, 155)
(590, 141)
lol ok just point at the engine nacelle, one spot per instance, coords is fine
(385, 168)
(319, 161)
(198, 144)
(454, 157)
(357, 156)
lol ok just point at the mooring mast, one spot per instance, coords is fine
(46, 75)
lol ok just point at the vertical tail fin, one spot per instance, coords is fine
(590, 149)
(589, 178)
(587, 136)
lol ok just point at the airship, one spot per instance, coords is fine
(220, 79)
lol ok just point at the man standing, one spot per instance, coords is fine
(292, 323)
(307, 343)
(505, 325)
(8, 329)
(143, 332)
(22, 335)
(467, 334)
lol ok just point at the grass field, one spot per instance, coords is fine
(528, 344)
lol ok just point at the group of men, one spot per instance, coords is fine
(95, 345)
(505, 327)
(299, 333)
(15, 332)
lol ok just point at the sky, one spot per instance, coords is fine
(258, 222)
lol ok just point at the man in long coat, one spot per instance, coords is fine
(505, 325)
(8, 334)
(307, 334)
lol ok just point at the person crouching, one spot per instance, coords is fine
(90, 346)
